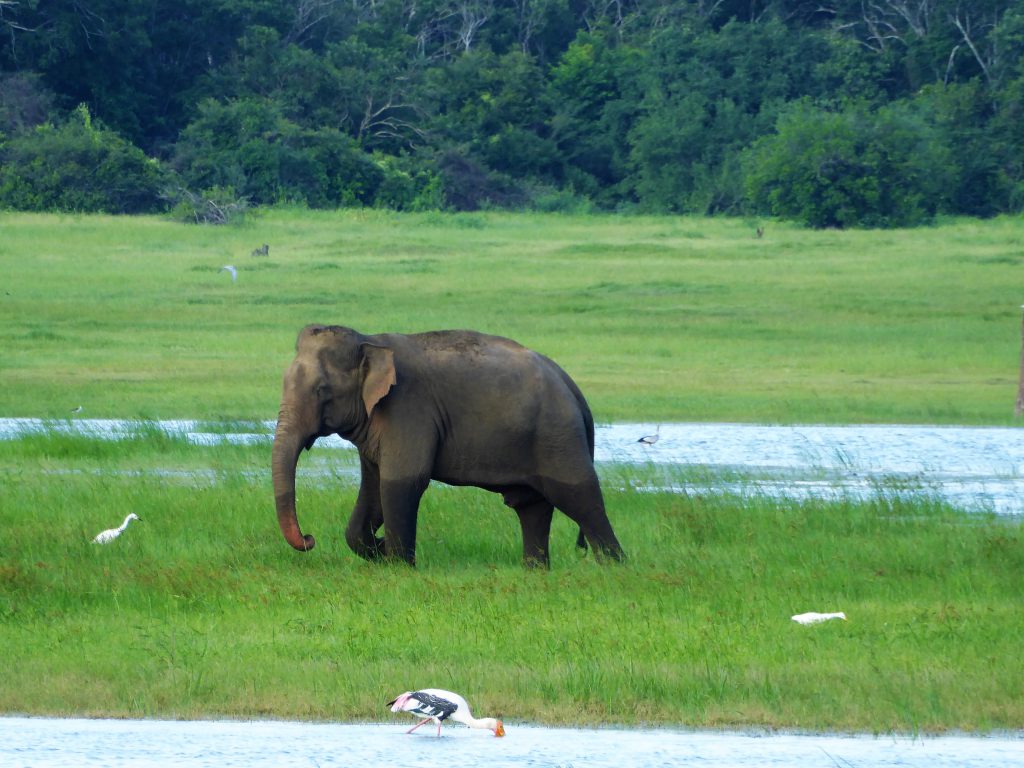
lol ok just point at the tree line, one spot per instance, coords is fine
(835, 113)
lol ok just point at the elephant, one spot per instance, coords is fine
(461, 407)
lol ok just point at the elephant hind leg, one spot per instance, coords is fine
(583, 504)
(535, 513)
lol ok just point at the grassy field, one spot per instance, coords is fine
(657, 318)
(201, 610)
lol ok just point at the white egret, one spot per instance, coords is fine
(231, 270)
(814, 618)
(107, 536)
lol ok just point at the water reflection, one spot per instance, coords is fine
(48, 743)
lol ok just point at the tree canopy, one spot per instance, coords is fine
(837, 113)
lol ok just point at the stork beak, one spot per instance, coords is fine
(500, 730)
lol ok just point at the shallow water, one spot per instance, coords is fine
(49, 743)
(975, 468)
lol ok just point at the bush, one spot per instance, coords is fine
(850, 168)
(408, 184)
(247, 145)
(78, 166)
(469, 186)
(211, 206)
(24, 102)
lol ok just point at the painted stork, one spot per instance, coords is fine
(435, 705)
(107, 536)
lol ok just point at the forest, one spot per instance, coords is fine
(831, 113)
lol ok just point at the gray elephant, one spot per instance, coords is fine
(456, 406)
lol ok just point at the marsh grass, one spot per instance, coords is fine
(201, 610)
(668, 318)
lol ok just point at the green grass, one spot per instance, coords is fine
(657, 318)
(201, 610)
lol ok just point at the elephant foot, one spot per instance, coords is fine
(368, 551)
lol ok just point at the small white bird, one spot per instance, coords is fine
(814, 618)
(230, 269)
(107, 536)
(435, 705)
(651, 439)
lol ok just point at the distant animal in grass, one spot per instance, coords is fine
(435, 705)
(77, 409)
(230, 270)
(263, 251)
(107, 536)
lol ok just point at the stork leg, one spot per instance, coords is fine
(421, 722)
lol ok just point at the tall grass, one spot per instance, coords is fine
(658, 318)
(201, 609)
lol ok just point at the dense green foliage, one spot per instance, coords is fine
(202, 610)
(78, 167)
(897, 110)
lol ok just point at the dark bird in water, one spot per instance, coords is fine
(651, 439)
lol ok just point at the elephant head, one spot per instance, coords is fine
(332, 386)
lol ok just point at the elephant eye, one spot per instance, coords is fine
(323, 391)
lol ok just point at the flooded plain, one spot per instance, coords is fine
(52, 743)
(972, 468)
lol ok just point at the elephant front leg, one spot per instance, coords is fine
(400, 500)
(367, 517)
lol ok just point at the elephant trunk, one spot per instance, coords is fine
(287, 445)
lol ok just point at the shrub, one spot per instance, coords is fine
(851, 168)
(248, 145)
(78, 166)
(211, 206)
(24, 102)
(408, 184)
(469, 186)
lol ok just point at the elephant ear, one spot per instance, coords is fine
(378, 374)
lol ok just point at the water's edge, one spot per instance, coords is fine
(51, 742)
(973, 468)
